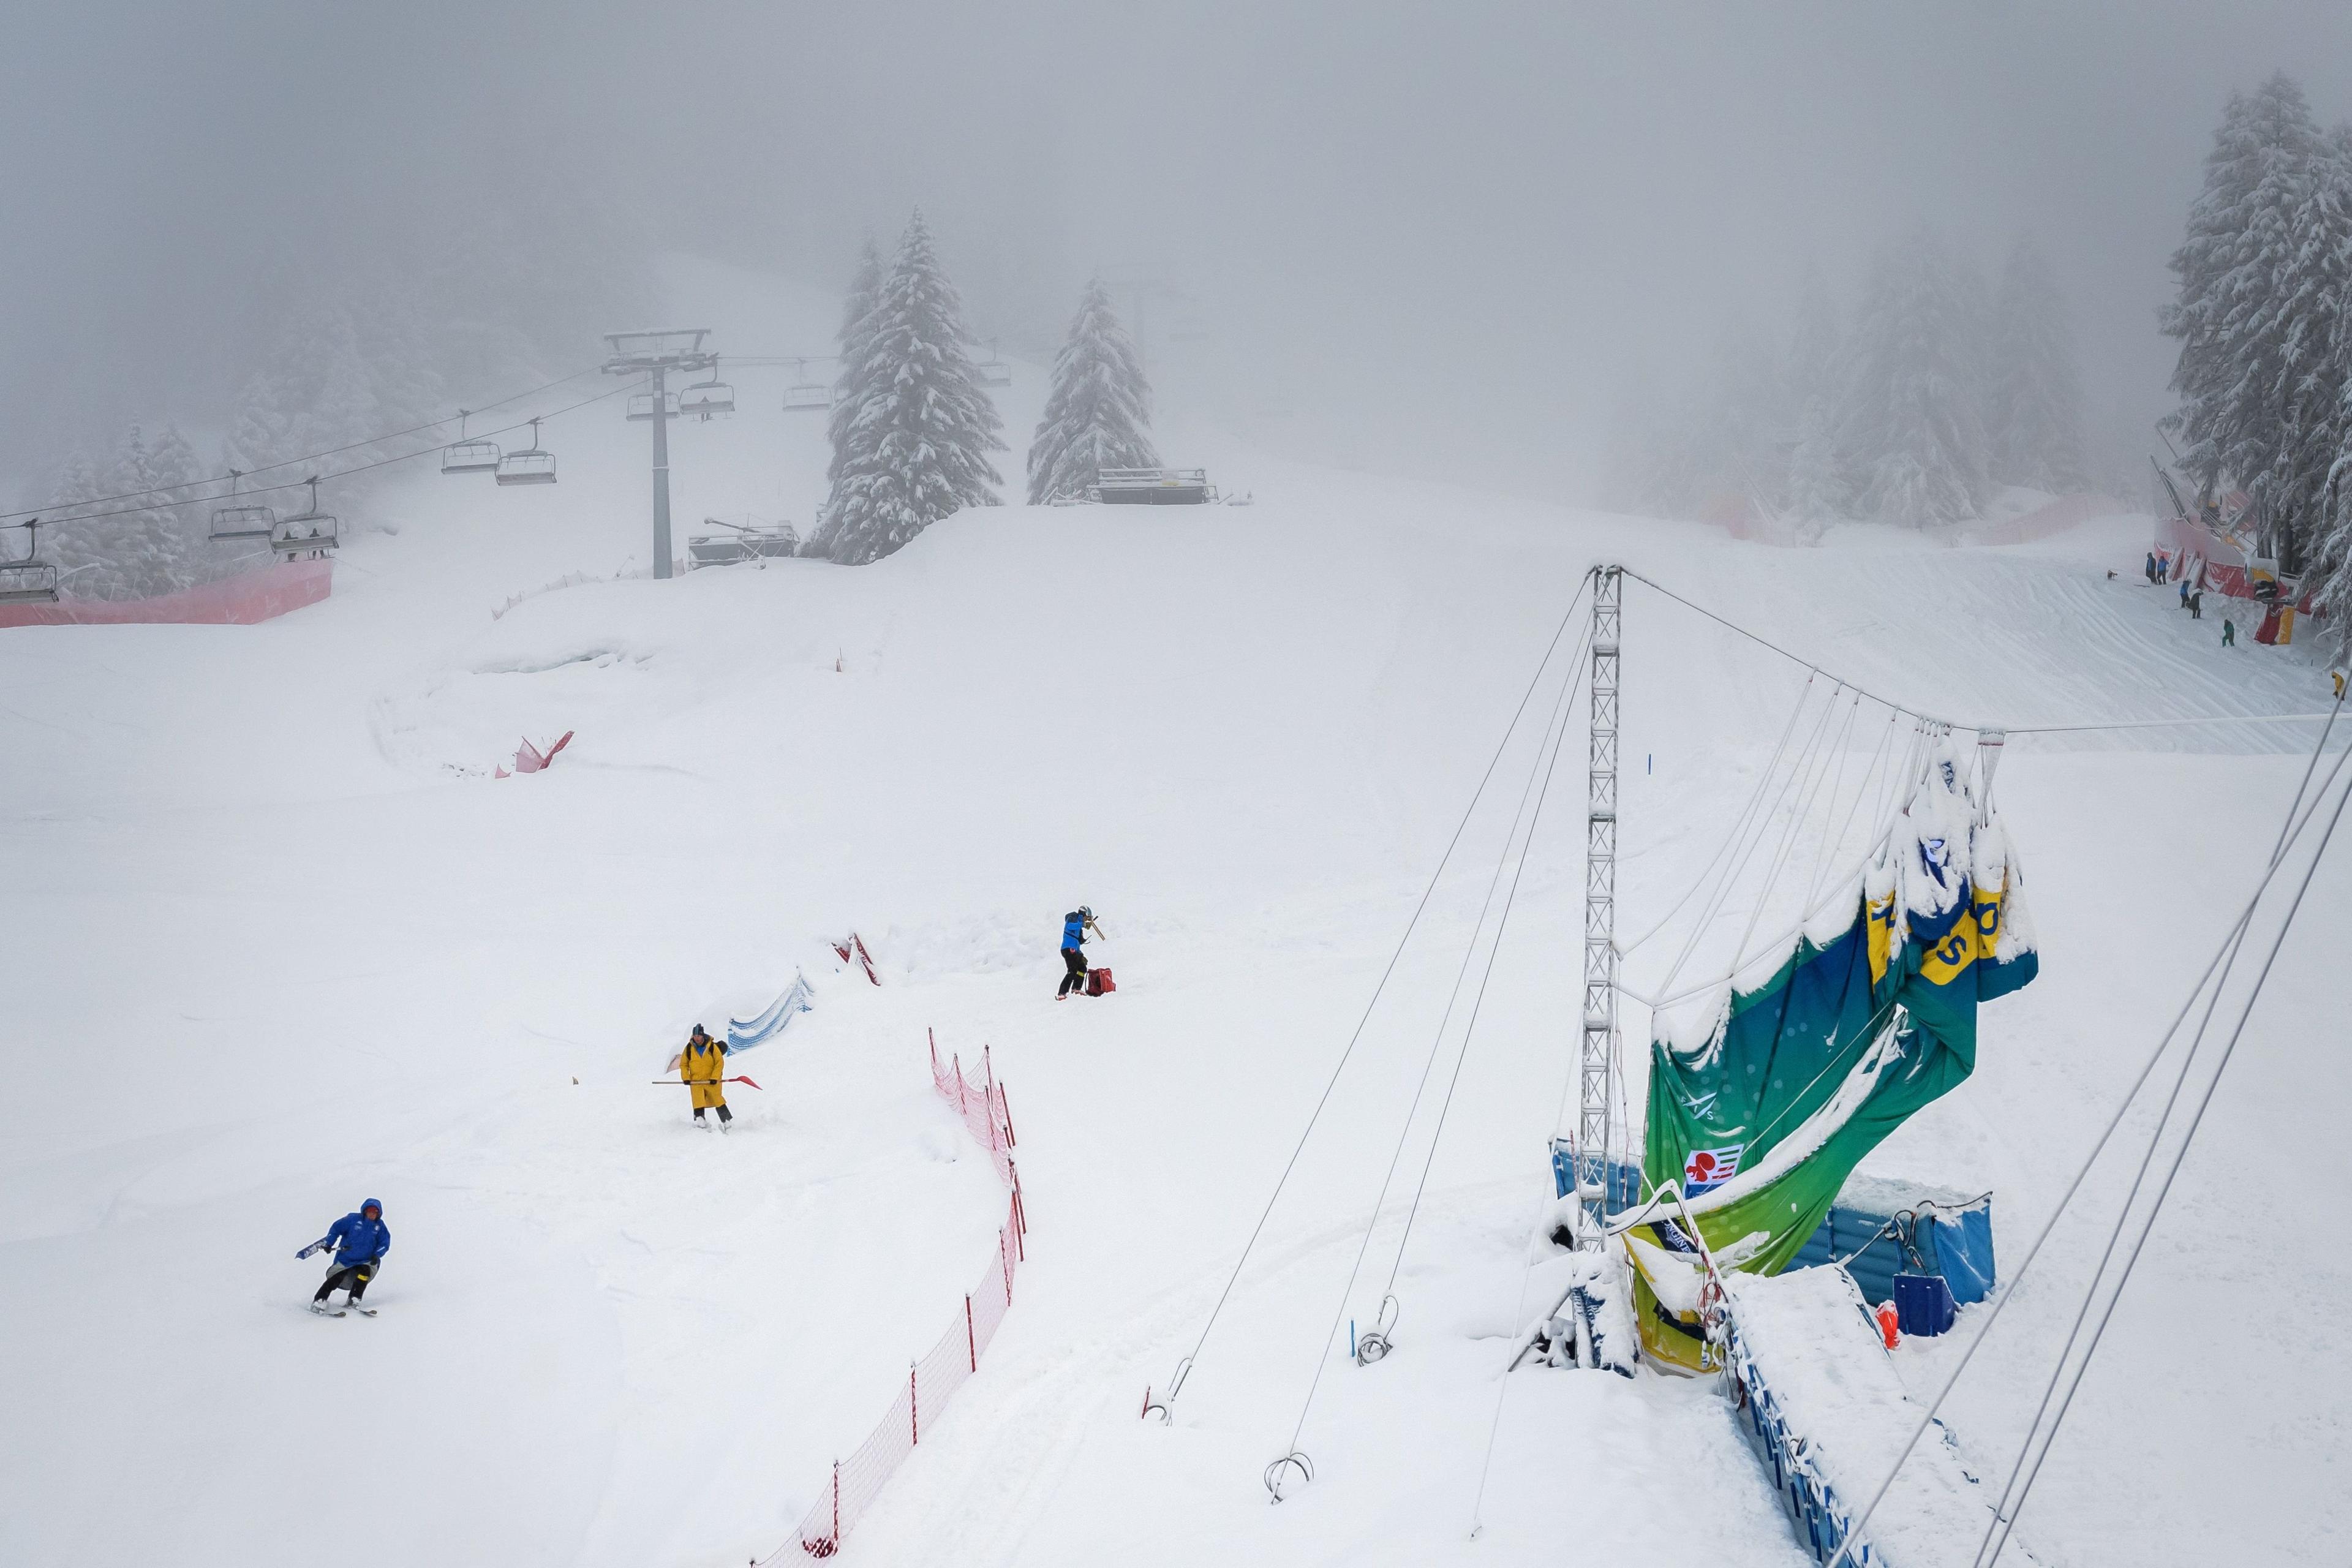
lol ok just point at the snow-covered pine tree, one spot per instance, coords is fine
(857, 340)
(2035, 416)
(1817, 487)
(2261, 278)
(923, 426)
(1099, 413)
(1909, 427)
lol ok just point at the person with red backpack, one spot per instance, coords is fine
(1076, 925)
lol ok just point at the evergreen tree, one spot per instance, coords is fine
(922, 426)
(2035, 413)
(1815, 346)
(1817, 485)
(1100, 410)
(1909, 427)
(2261, 274)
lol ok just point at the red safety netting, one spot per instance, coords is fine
(932, 1381)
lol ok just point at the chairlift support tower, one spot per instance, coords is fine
(657, 354)
(1597, 1070)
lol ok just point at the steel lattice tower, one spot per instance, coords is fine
(1597, 1071)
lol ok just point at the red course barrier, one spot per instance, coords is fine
(238, 600)
(929, 1383)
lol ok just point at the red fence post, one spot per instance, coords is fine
(970, 1339)
(1005, 1106)
(914, 1409)
(836, 1504)
(1004, 1254)
(958, 1059)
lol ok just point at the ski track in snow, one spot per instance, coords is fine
(305, 948)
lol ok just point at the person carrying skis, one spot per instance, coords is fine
(1076, 925)
(360, 1240)
(701, 1066)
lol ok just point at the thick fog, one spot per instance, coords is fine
(1443, 239)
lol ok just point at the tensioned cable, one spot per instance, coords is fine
(266, 467)
(2001, 1302)
(1257, 1230)
(1837, 787)
(1795, 657)
(1882, 753)
(1797, 815)
(2005, 1513)
(1739, 822)
(1555, 733)
(339, 473)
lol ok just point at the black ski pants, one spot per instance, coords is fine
(353, 1279)
(724, 1114)
(1075, 960)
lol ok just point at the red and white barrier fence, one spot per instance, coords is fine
(240, 600)
(930, 1382)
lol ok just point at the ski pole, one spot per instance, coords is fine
(690, 1082)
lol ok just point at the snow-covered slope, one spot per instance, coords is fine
(277, 943)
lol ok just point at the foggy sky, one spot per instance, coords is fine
(1447, 236)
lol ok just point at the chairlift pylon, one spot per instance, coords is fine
(469, 457)
(706, 398)
(993, 371)
(30, 581)
(312, 532)
(530, 465)
(235, 521)
(805, 395)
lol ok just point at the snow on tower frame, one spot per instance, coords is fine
(1597, 1070)
(1153, 486)
(657, 354)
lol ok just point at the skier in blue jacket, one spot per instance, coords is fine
(361, 1241)
(1075, 927)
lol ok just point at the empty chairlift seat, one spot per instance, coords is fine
(1153, 486)
(238, 519)
(995, 371)
(469, 457)
(28, 583)
(806, 394)
(641, 405)
(529, 467)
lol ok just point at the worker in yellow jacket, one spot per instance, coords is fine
(701, 1066)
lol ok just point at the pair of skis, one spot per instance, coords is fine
(326, 1312)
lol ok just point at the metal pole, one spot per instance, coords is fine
(661, 473)
(1597, 1068)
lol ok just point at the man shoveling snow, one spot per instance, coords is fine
(1075, 926)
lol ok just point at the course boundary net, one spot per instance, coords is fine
(933, 1379)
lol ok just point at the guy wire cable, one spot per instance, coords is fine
(1183, 1367)
(2293, 830)
(2005, 1512)
(1547, 747)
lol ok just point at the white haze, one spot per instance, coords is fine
(1441, 239)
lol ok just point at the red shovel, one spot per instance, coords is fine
(690, 1082)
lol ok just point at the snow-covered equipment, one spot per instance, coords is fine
(641, 405)
(1098, 983)
(530, 465)
(1878, 1228)
(1153, 486)
(806, 394)
(1807, 1072)
(241, 520)
(853, 946)
(309, 533)
(799, 997)
(993, 370)
(30, 580)
(530, 759)
(463, 455)
(740, 543)
(705, 399)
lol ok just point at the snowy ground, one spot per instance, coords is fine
(278, 944)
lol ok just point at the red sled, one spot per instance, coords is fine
(1098, 983)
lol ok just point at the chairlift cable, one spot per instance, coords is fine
(1559, 631)
(2290, 830)
(337, 474)
(288, 463)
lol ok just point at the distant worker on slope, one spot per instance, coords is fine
(359, 1241)
(2229, 632)
(1076, 925)
(701, 1066)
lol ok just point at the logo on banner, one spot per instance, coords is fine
(1710, 1168)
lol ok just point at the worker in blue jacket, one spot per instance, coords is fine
(360, 1240)
(1076, 925)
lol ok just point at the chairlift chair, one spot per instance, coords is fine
(706, 398)
(237, 520)
(641, 405)
(530, 465)
(465, 456)
(31, 581)
(805, 396)
(312, 532)
(994, 372)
